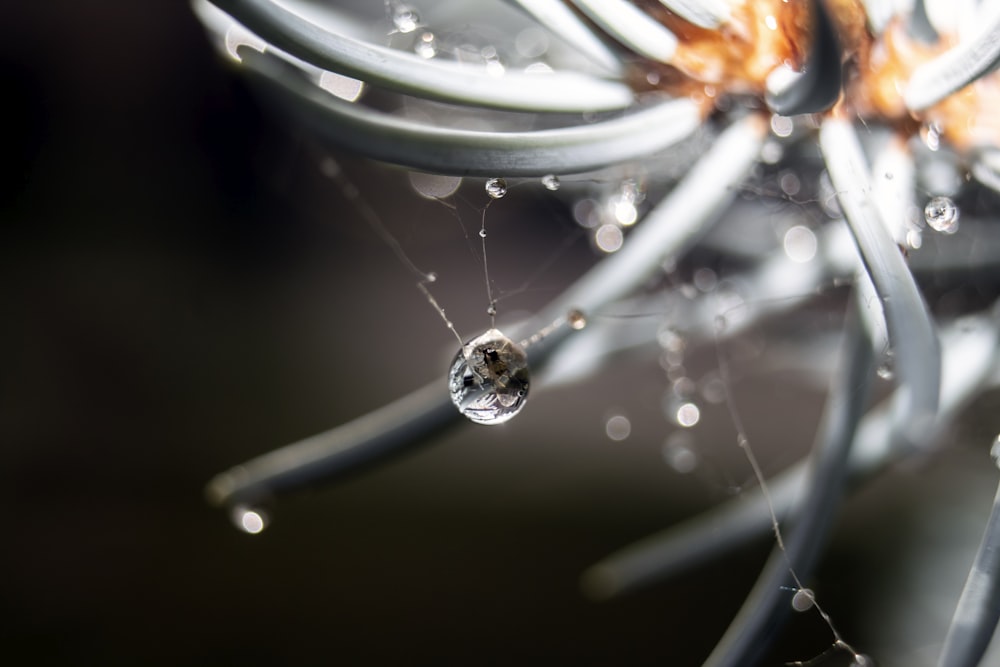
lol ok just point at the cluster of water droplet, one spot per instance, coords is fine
(489, 378)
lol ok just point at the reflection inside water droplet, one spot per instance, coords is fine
(496, 187)
(489, 377)
(941, 215)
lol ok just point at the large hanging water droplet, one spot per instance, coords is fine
(488, 380)
(941, 214)
(496, 187)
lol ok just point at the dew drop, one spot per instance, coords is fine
(861, 660)
(688, 414)
(248, 520)
(551, 182)
(941, 215)
(618, 427)
(576, 320)
(426, 46)
(488, 380)
(609, 238)
(482, 233)
(496, 187)
(405, 18)
(491, 311)
(678, 452)
(431, 277)
(930, 134)
(884, 371)
(803, 600)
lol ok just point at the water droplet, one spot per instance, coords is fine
(782, 126)
(491, 311)
(771, 152)
(930, 134)
(688, 414)
(861, 660)
(800, 244)
(431, 277)
(488, 380)
(496, 187)
(941, 214)
(618, 427)
(995, 451)
(426, 46)
(482, 233)
(705, 279)
(434, 186)
(790, 183)
(803, 600)
(884, 371)
(551, 182)
(670, 340)
(678, 452)
(609, 238)
(247, 519)
(576, 319)
(405, 18)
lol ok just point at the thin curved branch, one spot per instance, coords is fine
(913, 338)
(630, 26)
(959, 66)
(978, 609)
(445, 150)
(431, 79)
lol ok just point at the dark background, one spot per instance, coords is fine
(181, 290)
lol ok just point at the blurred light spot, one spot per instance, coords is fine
(678, 452)
(434, 186)
(800, 244)
(782, 126)
(341, 86)
(771, 22)
(586, 213)
(609, 238)
(688, 414)
(705, 279)
(248, 520)
(803, 600)
(426, 46)
(790, 183)
(771, 152)
(618, 427)
(625, 212)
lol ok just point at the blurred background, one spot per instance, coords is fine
(181, 289)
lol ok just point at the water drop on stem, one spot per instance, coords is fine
(496, 188)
